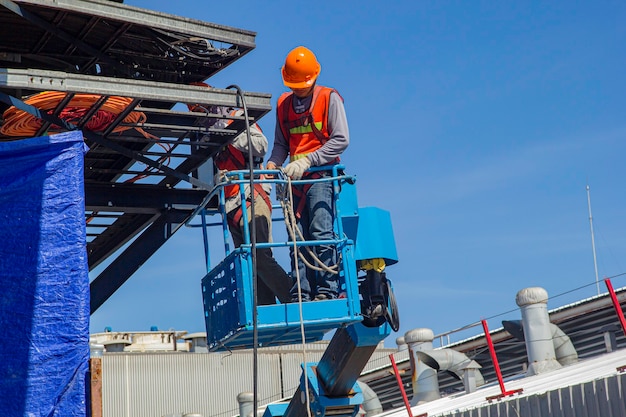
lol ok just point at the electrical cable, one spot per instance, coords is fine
(290, 227)
(194, 47)
(391, 312)
(18, 123)
(252, 222)
(22, 124)
(286, 203)
(285, 196)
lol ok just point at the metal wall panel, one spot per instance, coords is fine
(616, 389)
(164, 383)
(380, 359)
(154, 385)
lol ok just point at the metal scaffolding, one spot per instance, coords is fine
(137, 169)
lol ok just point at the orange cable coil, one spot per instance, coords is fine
(21, 123)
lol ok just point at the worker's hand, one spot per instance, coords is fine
(271, 165)
(296, 169)
(220, 176)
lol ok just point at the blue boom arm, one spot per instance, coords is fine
(332, 382)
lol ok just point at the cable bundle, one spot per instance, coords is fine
(23, 124)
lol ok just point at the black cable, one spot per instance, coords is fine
(252, 222)
(393, 315)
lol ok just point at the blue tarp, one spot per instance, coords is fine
(44, 282)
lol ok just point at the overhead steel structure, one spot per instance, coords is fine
(141, 181)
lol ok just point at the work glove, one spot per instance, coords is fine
(296, 169)
(219, 176)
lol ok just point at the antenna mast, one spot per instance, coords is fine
(593, 243)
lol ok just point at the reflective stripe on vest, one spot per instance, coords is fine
(305, 129)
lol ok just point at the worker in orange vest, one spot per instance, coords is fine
(312, 129)
(273, 281)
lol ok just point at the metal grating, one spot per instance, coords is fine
(99, 37)
(141, 161)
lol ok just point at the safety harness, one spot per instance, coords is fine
(304, 123)
(232, 159)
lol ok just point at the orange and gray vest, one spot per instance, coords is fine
(232, 159)
(305, 132)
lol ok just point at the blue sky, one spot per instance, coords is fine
(477, 124)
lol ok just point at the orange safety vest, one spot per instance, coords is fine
(232, 159)
(308, 131)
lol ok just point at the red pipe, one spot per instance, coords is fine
(400, 385)
(618, 309)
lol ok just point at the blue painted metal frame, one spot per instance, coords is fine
(320, 402)
(374, 237)
(227, 288)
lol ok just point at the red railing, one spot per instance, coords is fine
(496, 367)
(618, 308)
(400, 385)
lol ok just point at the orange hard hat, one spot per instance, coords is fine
(301, 68)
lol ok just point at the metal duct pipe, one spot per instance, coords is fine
(401, 344)
(423, 377)
(455, 362)
(533, 302)
(425, 362)
(371, 404)
(564, 349)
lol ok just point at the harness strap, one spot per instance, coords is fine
(234, 217)
(300, 192)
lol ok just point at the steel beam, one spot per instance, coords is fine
(138, 252)
(42, 80)
(149, 18)
(123, 197)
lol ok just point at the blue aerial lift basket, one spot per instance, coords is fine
(362, 233)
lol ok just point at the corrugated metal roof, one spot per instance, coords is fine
(583, 322)
(157, 384)
(579, 389)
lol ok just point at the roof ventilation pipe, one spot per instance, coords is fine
(538, 332)
(371, 404)
(563, 347)
(401, 344)
(457, 364)
(246, 404)
(423, 377)
(425, 362)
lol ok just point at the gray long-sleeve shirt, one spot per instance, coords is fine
(339, 135)
(259, 148)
